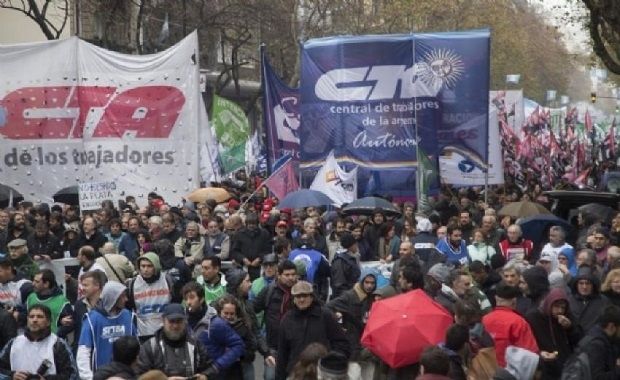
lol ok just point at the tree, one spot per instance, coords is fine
(604, 28)
(43, 13)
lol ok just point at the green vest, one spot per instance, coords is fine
(213, 292)
(55, 304)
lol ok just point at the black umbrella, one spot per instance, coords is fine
(304, 198)
(69, 195)
(367, 205)
(6, 193)
(535, 227)
(599, 211)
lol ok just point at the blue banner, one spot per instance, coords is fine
(374, 99)
(281, 112)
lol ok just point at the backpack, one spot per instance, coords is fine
(577, 367)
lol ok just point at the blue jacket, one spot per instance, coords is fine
(459, 256)
(128, 246)
(222, 342)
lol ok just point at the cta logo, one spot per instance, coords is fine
(64, 112)
(466, 166)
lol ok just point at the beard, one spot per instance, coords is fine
(174, 335)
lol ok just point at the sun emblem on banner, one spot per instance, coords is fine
(443, 67)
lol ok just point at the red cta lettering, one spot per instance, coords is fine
(62, 112)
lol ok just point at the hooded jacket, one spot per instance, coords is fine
(602, 352)
(586, 309)
(100, 328)
(551, 336)
(537, 281)
(148, 296)
(345, 272)
(354, 305)
(222, 342)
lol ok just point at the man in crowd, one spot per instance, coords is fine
(352, 308)
(250, 244)
(315, 265)
(46, 292)
(116, 233)
(42, 244)
(173, 351)
(453, 247)
(345, 269)
(467, 226)
(125, 352)
(101, 327)
(586, 302)
(212, 278)
(190, 246)
(23, 357)
(17, 228)
(319, 324)
(148, 293)
(90, 235)
(506, 326)
(128, 246)
(557, 244)
(217, 243)
(276, 300)
(515, 247)
(91, 284)
(333, 239)
(601, 345)
(22, 262)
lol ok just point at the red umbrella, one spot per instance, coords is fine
(400, 327)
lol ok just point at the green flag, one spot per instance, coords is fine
(426, 175)
(231, 130)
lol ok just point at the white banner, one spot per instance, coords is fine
(337, 184)
(512, 101)
(71, 112)
(455, 169)
(93, 193)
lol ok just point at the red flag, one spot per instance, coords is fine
(582, 178)
(283, 180)
(588, 122)
(554, 147)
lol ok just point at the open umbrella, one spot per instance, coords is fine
(304, 198)
(366, 206)
(8, 194)
(69, 195)
(535, 227)
(400, 327)
(523, 209)
(218, 194)
(602, 212)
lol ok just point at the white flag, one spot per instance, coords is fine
(336, 183)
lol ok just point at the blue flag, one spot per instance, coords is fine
(374, 99)
(281, 113)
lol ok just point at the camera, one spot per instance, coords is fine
(42, 370)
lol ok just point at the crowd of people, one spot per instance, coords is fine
(201, 290)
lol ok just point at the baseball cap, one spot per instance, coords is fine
(174, 311)
(302, 287)
(270, 259)
(16, 243)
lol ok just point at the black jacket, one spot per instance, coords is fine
(602, 353)
(8, 327)
(551, 336)
(114, 369)
(250, 244)
(300, 328)
(345, 272)
(97, 240)
(586, 309)
(275, 301)
(353, 304)
(153, 357)
(48, 245)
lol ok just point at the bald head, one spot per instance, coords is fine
(406, 249)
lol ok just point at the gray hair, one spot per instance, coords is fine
(559, 230)
(512, 266)
(155, 220)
